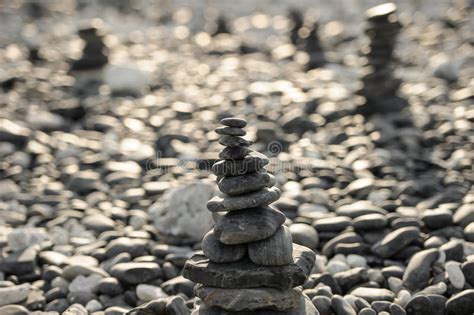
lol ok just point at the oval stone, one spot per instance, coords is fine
(219, 252)
(239, 185)
(276, 250)
(263, 197)
(234, 122)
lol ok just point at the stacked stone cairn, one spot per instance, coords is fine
(379, 85)
(94, 54)
(248, 262)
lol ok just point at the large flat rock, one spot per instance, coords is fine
(244, 274)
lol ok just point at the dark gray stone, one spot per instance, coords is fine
(276, 250)
(250, 225)
(230, 131)
(263, 197)
(234, 153)
(417, 272)
(369, 222)
(238, 300)
(461, 303)
(136, 272)
(219, 252)
(234, 122)
(419, 305)
(322, 304)
(468, 271)
(395, 241)
(341, 306)
(239, 185)
(245, 274)
(254, 162)
(233, 141)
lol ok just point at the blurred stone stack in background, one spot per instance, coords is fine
(94, 54)
(249, 261)
(379, 84)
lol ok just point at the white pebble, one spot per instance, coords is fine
(356, 261)
(339, 257)
(455, 274)
(335, 266)
(439, 288)
(94, 306)
(395, 284)
(403, 297)
(375, 275)
(442, 257)
(147, 293)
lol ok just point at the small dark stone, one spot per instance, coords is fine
(219, 252)
(234, 122)
(341, 306)
(230, 131)
(250, 164)
(233, 141)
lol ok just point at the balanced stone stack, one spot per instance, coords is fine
(94, 54)
(380, 86)
(248, 262)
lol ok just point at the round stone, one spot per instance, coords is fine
(461, 303)
(263, 197)
(276, 250)
(136, 272)
(234, 122)
(304, 234)
(250, 225)
(373, 221)
(219, 252)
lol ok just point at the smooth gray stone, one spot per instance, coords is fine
(439, 303)
(322, 304)
(468, 271)
(341, 306)
(374, 294)
(176, 305)
(464, 215)
(234, 153)
(461, 303)
(358, 209)
(263, 197)
(233, 141)
(373, 221)
(418, 270)
(245, 274)
(219, 252)
(348, 279)
(304, 234)
(234, 122)
(437, 218)
(395, 241)
(419, 305)
(396, 309)
(253, 162)
(305, 307)
(344, 238)
(157, 306)
(239, 185)
(276, 250)
(230, 131)
(367, 311)
(333, 224)
(250, 299)
(20, 262)
(136, 272)
(250, 225)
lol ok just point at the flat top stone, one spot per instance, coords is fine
(244, 274)
(234, 122)
(264, 196)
